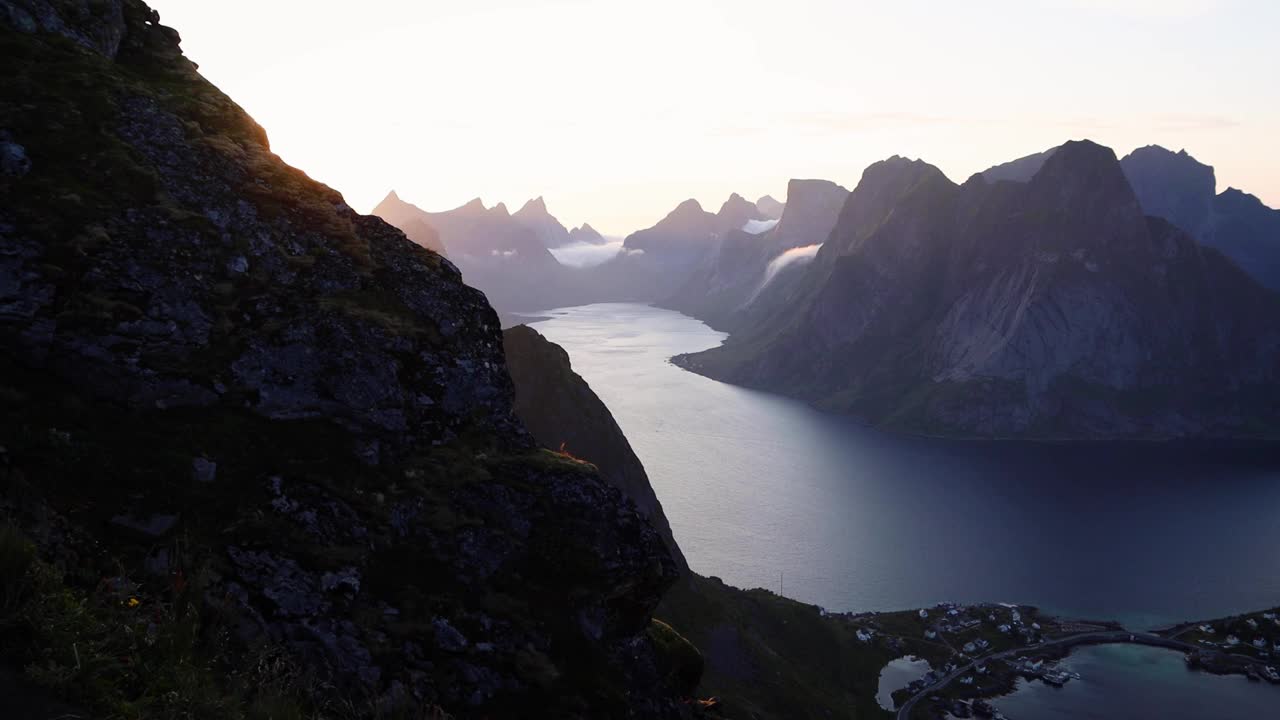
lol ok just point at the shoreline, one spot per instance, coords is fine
(972, 680)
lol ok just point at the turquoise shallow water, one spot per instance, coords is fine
(1133, 682)
(765, 491)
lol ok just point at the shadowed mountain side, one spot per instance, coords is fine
(259, 451)
(766, 657)
(563, 414)
(724, 289)
(1050, 309)
(1178, 188)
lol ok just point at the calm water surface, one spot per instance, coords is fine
(765, 491)
(1134, 682)
(898, 674)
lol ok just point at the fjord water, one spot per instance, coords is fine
(764, 491)
(1139, 682)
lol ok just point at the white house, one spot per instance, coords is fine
(1232, 640)
(923, 613)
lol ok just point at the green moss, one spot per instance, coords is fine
(680, 660)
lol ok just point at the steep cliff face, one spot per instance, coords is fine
(563, 414)
(279, 428)
(763, 656)
(1051, 308)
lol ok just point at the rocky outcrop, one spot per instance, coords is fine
(564, 415)
(1052, 308)
(762, 656)
(213, 367)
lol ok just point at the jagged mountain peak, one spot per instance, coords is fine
(1083, 166)
(770, 207)
(535, 206)
(687, 207)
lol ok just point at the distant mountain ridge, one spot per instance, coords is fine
(584, 233)
(549, 231)
(499, 253)
(719, 291)
(1052, 308)
(1182, 190)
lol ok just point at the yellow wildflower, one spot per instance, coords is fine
(134, 602)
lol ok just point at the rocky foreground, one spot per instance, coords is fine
(257, 452)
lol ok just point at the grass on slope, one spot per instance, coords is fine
(768, 656)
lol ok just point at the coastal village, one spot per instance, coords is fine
(976, 653)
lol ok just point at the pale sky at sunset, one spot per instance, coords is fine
(617, 111)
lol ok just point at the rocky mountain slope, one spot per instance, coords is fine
(563, 414)
(1052, 308)
(257, 452)
(763, 656)
(1178, 188)
(549, 231)
(720, 291)
(1181, 189)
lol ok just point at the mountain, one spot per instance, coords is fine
(423, 234)
(549, 231)
(586, 234)
(1020, 170)
(686, 231)
(1180, 189)
(769, 207)
(654, 262)
(735, 213)
(563, 414)
(260, 457)
(498, 253)
(745, 263)
(1051, 309)
(763, 656)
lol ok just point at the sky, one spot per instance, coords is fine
(615, 112)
